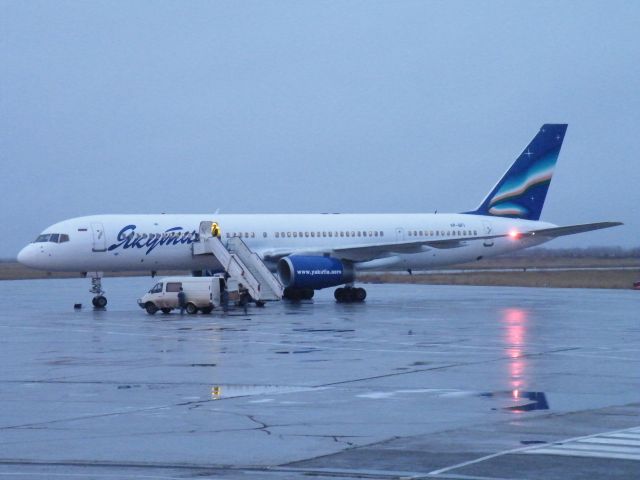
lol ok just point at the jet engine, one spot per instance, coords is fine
(313, 272)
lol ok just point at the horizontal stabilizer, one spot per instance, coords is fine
(571, 229)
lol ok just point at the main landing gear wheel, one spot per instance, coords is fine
(298, 293)
(350, 295)
(99, 302)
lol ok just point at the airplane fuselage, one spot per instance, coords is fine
(163, 241)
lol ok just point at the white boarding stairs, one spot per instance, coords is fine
(240, 263)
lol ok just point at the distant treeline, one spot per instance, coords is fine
(588, 252)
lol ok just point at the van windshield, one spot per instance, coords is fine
(157, 288)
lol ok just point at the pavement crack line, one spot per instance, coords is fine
(442, 367)
(263, 426)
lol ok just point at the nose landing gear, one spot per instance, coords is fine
(99, 300)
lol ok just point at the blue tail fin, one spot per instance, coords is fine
(521, 192)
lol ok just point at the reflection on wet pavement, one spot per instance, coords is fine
(420, 376)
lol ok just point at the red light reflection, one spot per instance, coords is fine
(515, 321)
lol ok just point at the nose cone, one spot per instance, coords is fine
(26, 256)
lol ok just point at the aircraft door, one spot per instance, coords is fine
(487, 230)
(99, 238)
(400, 234)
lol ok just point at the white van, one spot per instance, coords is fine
(202, 293)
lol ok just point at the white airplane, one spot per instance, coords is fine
(317, 251)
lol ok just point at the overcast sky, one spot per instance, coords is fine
(323, 106)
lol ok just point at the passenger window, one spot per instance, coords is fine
(172, 286)
(313, 234)
(306, 234)
(382, 234)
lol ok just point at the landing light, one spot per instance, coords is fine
(514, 234)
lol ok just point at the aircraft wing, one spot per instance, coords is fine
(569, 230)
(365, 252)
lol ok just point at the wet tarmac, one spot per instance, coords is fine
(420, 381)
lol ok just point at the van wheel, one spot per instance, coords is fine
(166, 310)
(206, 310)
(151, 308)
(191, 309)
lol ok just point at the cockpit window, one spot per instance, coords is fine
(52, 237)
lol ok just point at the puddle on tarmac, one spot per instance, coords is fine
(323, 330)
(230, 391)
(512, 400)
(304, 350)
(520, 401)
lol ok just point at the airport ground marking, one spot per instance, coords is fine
(528, 449)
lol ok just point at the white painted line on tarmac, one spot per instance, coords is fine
(613, 441)
(623, 444)
(596, 448)
(586, 450)
(579, 453)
